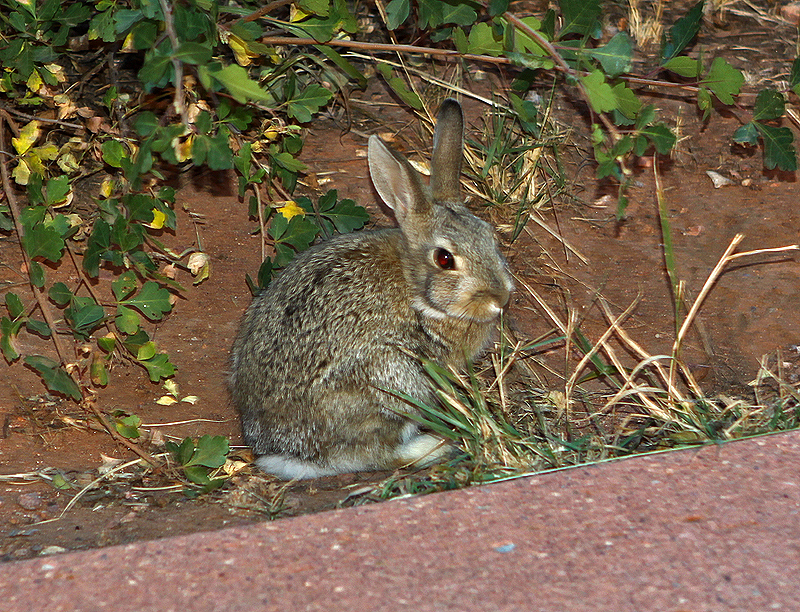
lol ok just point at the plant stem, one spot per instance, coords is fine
(367, 46)
(179, 103)
(13, 206)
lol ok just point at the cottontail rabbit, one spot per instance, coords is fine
(345, 321)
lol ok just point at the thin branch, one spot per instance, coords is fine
(13, 206)
(266, 9)
(90, 404)
(367, 46)
(179, 103)
(12, 111)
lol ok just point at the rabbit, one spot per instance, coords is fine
(320, 350)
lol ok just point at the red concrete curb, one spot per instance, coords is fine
(707, 529)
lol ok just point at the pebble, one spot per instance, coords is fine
(30, 501)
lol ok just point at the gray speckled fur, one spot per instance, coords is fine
(348, 318)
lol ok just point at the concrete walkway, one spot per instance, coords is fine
(713, 528)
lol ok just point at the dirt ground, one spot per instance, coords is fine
(751, 311)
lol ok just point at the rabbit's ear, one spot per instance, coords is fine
(397, 183)
(447, 152)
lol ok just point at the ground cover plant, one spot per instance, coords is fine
(89, 183)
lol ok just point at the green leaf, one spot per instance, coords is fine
(210, 452)
(347, 216)
(38, 327)
(747, 134)
(482, 41)
(497, 7)
(526, 45)
(685, 66)
(317, 7)
(14, 305)
(646, 116)
(54, 376)
(182, 453)
(615, 57)
(98, 370)
(794, 76)
(197, 474)
(219, 156)
(345, 66)
(42, 241)
(288, 161)
(661, 136)
(435, 13)
(84, 314)
(57, 190)
(59, 482)
(146, 351)
(682, 33)
(601, 96)
(308, 102)
(778, 149)
(136, 340)
(9, 330)
(125, 284)
(124, 19)
(299, 233)
(152, 301)
(155, 70)
(128, 426)
(400, 88)
(193, 53)
(158, 367)
(723, 80)
(704, 102)
(145, 124)
(322, 29)
(36, 274)
(580, 16)
(107, 343)
(127, 320)
(113, 151)
(770, 104)
(397, 11)
(626, 101)
(235, 80)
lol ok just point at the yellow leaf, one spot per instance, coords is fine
(57, 71)
(166, 400)
(48, 152)
(27, 136)
(240, 50)
(191, 399)
(297, 14)
(107, 187)
(35, 162)
(158, 219)
(34, 81)
(22, 173)
(291, 209)
(68, 163)
(183, 148)
(127, 46)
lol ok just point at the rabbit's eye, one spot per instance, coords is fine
(444, 259)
